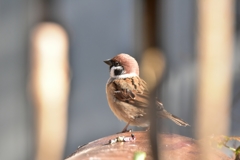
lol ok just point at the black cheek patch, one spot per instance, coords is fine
(117, 72)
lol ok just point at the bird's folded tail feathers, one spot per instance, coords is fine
(178, 121)
(163, 113)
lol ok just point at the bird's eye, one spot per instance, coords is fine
(116, 64)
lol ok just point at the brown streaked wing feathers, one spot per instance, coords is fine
(132, 90)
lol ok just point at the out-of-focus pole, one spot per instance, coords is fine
(215, 50)
(50, 87)
(152, 67)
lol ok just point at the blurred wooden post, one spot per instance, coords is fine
(215, 47)
(152, 67)
(50, 87)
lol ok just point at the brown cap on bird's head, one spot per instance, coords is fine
(129, 64)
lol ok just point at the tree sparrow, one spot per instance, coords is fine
(127, 93)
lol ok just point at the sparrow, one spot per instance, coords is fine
(128, 95)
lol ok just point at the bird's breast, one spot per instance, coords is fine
(124, 111)
(117, 107)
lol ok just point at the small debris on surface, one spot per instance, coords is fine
(122, 139)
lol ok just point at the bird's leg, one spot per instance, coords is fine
(125, 128)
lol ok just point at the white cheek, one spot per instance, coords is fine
(112, 72)
(123, 75)
(113, 69)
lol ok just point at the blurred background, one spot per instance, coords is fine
(94, 31)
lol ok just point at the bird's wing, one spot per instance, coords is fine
(134, 91)
(131, 90)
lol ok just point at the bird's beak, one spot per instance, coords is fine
(108, 62)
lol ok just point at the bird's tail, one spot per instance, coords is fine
(177, 120)
(163, 113)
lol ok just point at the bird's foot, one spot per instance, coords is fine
(125, 128)
(125, 131)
